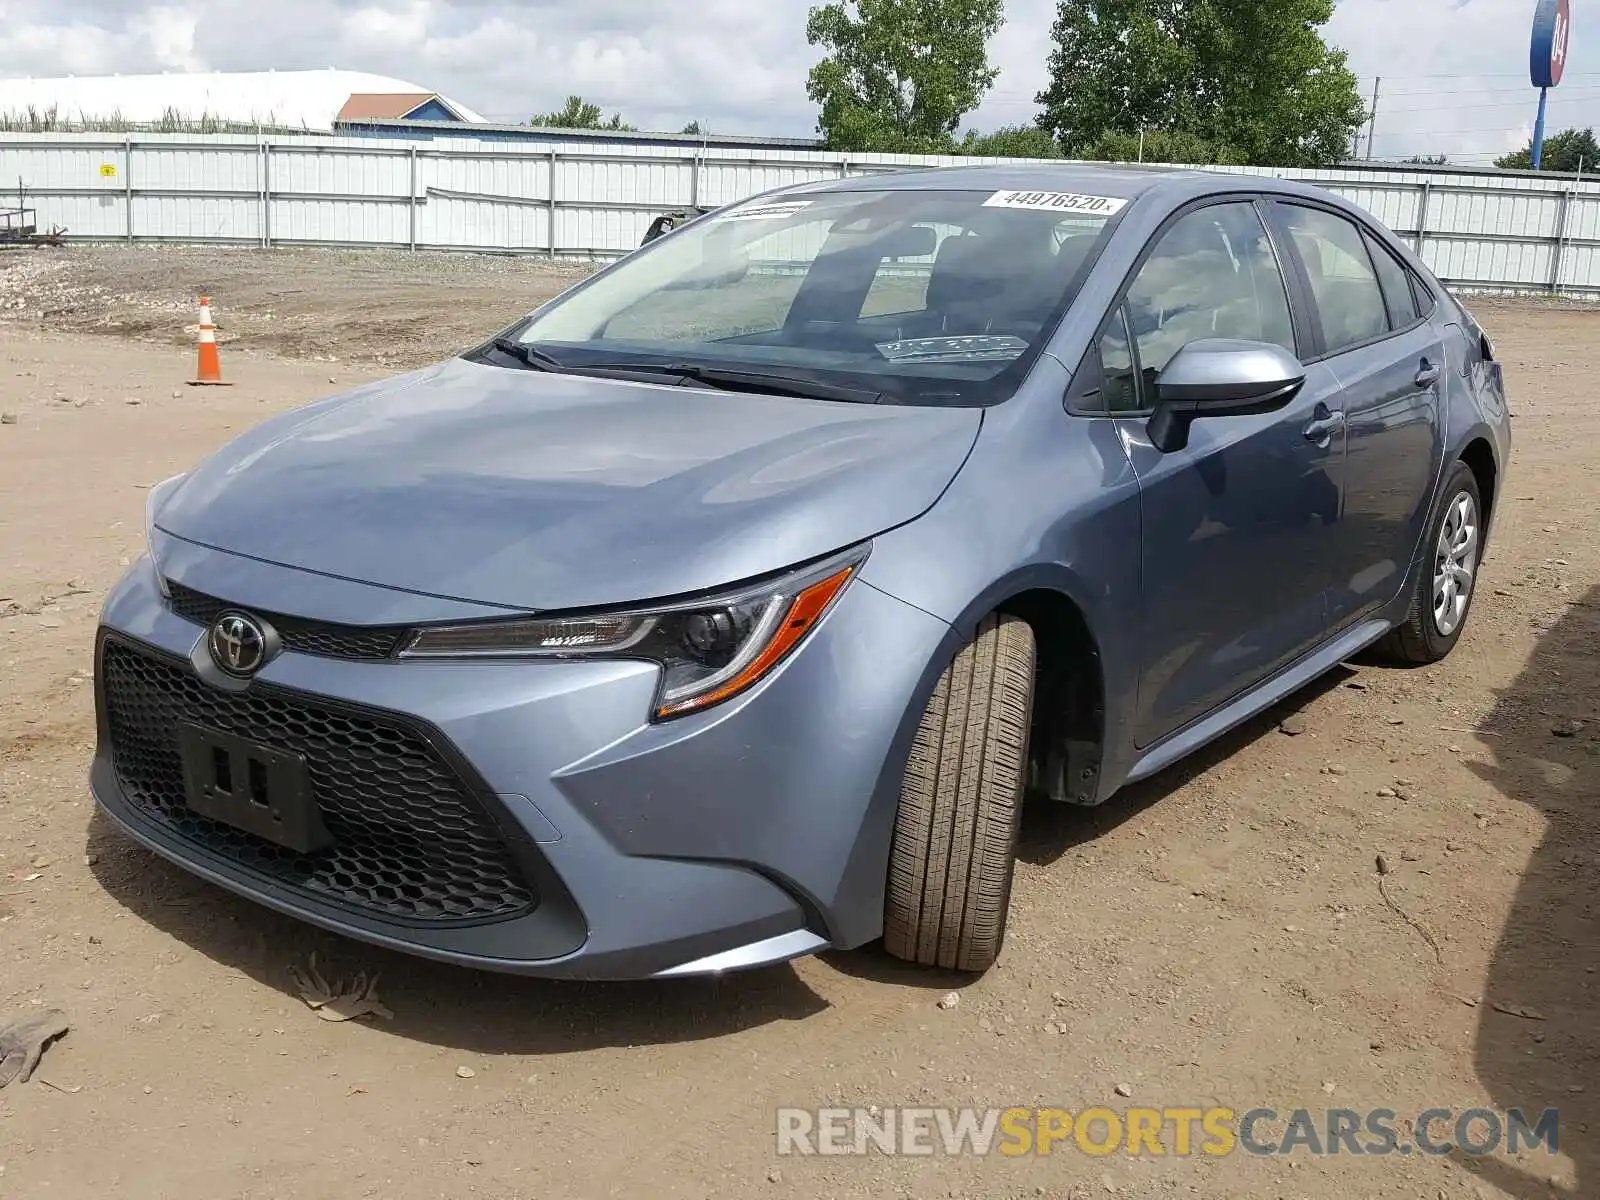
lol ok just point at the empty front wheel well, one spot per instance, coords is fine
(1068, 736)
(1479, 458)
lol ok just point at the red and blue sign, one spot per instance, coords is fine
(1552, 31)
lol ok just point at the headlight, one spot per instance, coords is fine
(153, 500)
(709, 650)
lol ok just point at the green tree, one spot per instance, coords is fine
(1253, 78)
(1013, 141)
(1161, 146)
(693, 127)
(1562, 154)
(578, 113)
(899, 75)
(1116, 66)
(1426, 160)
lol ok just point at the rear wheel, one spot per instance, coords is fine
(1444, 588)
(955, 837)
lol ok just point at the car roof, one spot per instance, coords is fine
(1122, 180)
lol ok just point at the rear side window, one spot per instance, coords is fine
(1422, 296)
(1396, 283)
(1350, 302)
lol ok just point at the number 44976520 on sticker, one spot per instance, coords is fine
(1066, 202)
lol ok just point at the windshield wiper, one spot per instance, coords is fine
(725, 378)
(734, 380)
(528, 355)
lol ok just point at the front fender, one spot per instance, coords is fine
(1046, 502)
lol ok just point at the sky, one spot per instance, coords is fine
(1453, 72)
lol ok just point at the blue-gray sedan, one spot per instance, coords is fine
(727, 607)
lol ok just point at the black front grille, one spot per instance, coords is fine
(409, 838)
(298, 634)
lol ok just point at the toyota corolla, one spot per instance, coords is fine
(727, 607)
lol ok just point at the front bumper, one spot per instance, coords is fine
(749, 834)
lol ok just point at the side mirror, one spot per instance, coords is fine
(1219, 377)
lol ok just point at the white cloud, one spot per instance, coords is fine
(402, 27)
(1454, 71)
(169, 34)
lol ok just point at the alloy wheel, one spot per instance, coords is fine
(1455, 564)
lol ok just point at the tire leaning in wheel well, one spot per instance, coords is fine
(953, 853)
(1068, 738)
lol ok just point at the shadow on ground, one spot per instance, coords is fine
(435, 1003)
(1052, 830)
(1548, 958)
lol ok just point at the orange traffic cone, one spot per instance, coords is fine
(208, 373)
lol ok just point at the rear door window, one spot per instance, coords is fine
(1351, 308)
(1396, 283)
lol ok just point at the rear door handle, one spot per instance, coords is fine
(1428, 374)
(1327, 424)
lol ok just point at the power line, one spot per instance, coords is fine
(1476, 129)
(1362, 79)
(1422, 108)
(1474, 91)
(1453, 153)
(1496, 75)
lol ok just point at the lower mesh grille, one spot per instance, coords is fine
(409, 838)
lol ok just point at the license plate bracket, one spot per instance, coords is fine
(252, 787)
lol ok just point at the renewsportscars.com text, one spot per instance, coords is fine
(1159, 1132)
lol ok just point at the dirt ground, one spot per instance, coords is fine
(373, 308)
(1216, 936)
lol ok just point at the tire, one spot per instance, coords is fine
(955, 837)
(1425, 637)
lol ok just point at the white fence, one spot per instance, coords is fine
(1488, 231)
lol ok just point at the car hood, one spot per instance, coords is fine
(534, 490)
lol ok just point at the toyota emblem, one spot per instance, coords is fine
(238, 644)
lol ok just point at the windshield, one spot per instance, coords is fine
(916, 297)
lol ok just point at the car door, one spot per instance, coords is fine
(1237, 525)
(1389, 360)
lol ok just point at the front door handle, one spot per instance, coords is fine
(1428, 374)
(1326, 424)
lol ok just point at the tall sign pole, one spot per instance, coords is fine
(1547, 60)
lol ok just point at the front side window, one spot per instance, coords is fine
(1350, 302)
(1213, 274)
(1120, 387)
(917, 296)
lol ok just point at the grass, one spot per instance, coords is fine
(49, 120)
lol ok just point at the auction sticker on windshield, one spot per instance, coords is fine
(766, 212)
(1063, 202)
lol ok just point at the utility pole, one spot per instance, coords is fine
(1372, 121)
